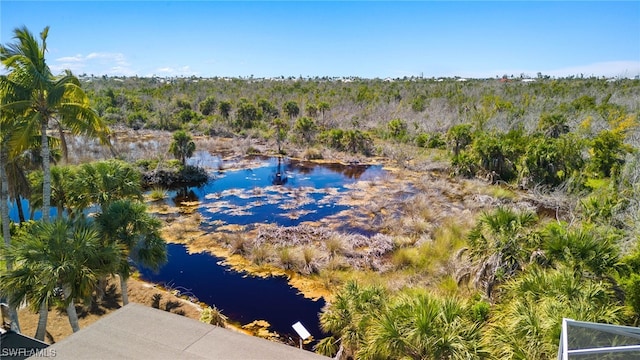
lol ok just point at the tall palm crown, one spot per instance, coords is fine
(182, 146)
(35, 96)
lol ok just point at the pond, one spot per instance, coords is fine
(267, 190)
(242, 298)
(274, 190)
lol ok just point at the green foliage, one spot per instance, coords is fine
(186, 115)
(306, 127)
(419, 325)
(291, 108)
(527, 323)
(333, 138)
(182, 146)
(458, 137)
(550, 161)
(208, 106)
(587, 250)
(76, 188)
(183, 104)
(418, 104)
(137, 119)
(126, 224)
(50, 255)
(281, 128)
(213, 316)
(268, 109)
(479, 311)
(500, 244)
(323, 107)
(607, 153)
(247, 114)
(584, 103)
(311, 110)
(365, 94)
(496, 154)
(354, 141)
(553, 125)
(631, 287)
(350, 313)
(225, 109)
(397, 129)
(431, 141)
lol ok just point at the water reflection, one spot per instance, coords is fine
(276, 190)
(351, 171)
(279, 178)
(184, 195)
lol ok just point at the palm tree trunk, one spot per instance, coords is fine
(63, 145)
(6, 234)
(71, 310)
(42, 320)
(123, 288)
(4, 197)
(46, 171)
(20, 209)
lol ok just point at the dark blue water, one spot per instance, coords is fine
(273, 191)
(242, 298)
(265, 193)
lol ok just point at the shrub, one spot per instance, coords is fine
(430, 141)
(157, 194)
(213, 316)
(397, 129)
(287, 261)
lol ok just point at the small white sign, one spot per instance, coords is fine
(300, 329)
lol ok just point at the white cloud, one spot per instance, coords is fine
(175, 71)
(97, 63)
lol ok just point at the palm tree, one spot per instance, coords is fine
(588, 250)
(127, 224)
(19, 186)
(418, 325)
(64, 257)
(33, 92)
(498, 246)
(307, 128)
(347, 319)
(323, 107)
(527, 322)
(6, 128)
(103, 182)
(281, 132)
(553, 125)
(182, 146)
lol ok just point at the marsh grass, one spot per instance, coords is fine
(405, 258)
(312, 154)
(286, 258)
(213, 316)
(448, 286)
(238, 244)
(309, 260)
(157, 194)
(260, 254)
(334, 246)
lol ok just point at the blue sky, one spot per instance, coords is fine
(347, 38)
